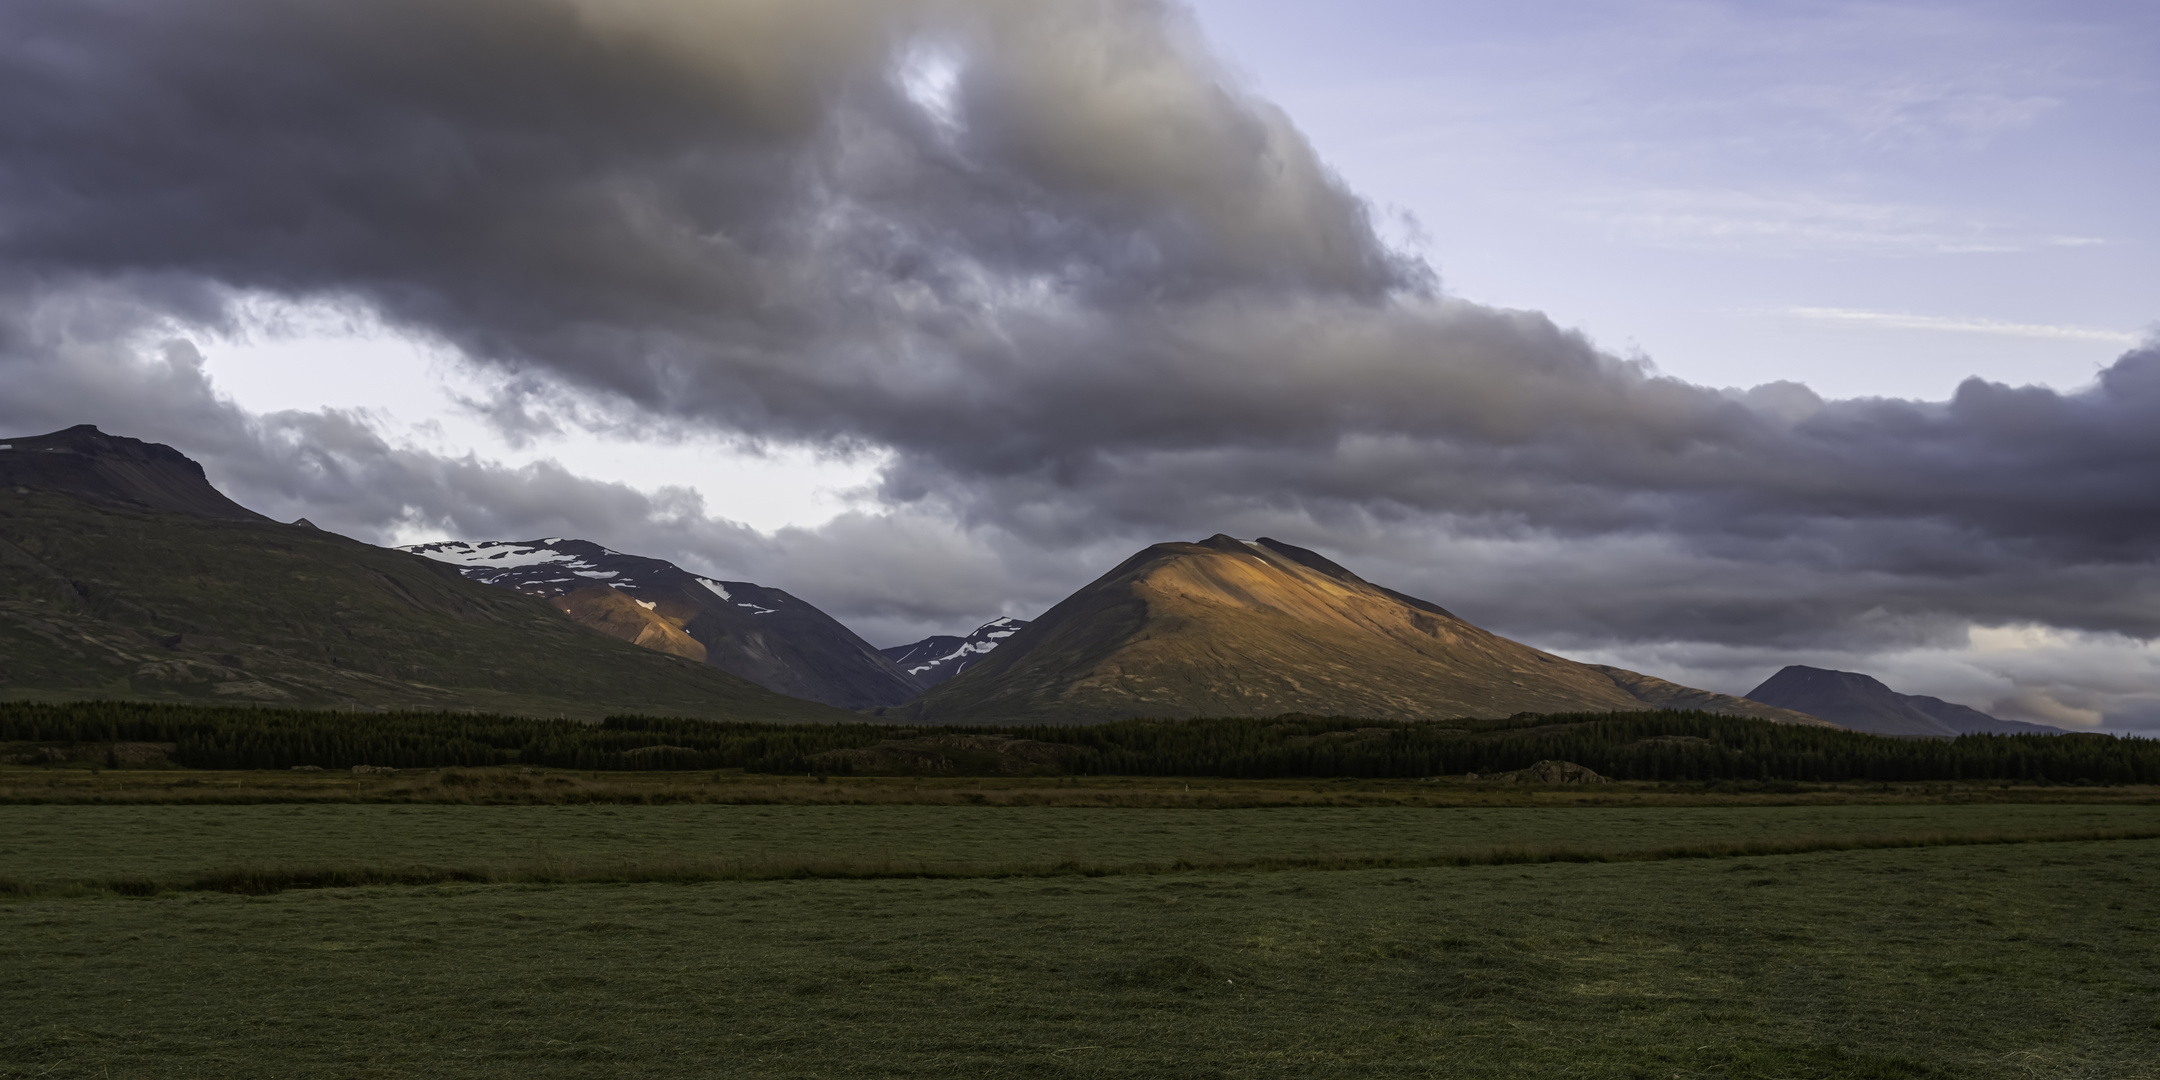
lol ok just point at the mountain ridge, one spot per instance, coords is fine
(766, 635)
(133, 578)
(88, 464)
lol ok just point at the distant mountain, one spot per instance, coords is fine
(1226, 627)
(124, 574)
(1660, 694)
(113, 470)
(1861, 703)
(940, 657)
(765, 635)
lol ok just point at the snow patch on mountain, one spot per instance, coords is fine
(491, 553)
(495, 562)
(936, 659)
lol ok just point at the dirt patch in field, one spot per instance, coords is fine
(1552, 773)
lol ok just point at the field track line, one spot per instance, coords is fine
(265, 879)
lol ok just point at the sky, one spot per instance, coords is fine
(1874, 199)
(1699, 338)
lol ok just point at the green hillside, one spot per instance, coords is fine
(102, 600)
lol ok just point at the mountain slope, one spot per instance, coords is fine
(1660, 694)
(1226, 627)
(1966, 720)
(1862, 703)
(765, 635)
(102, 595)
(939, 657)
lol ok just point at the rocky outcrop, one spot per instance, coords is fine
(1548, 773)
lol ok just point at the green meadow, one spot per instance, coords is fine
(944, 941)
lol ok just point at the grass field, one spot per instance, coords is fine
(2037, 959)
(56, 844)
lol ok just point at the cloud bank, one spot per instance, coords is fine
(1082, 288)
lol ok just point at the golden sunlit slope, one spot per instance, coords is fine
(1225, 627)
(610, 611)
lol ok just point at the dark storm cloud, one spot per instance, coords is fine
(1086, 290)
(683, 188)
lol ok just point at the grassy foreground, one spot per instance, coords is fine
(1953, 962)
(1901, 935)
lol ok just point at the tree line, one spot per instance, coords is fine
(1652, 746)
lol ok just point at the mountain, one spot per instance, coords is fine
(939, 657)
(1224, 627)
(113, 470)
(765, 635)
(1861, 703)
(125, 574)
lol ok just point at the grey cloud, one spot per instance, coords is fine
(97, 355)
(1094, 295)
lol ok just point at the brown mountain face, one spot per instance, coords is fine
(1229, 628)
(617, 614)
